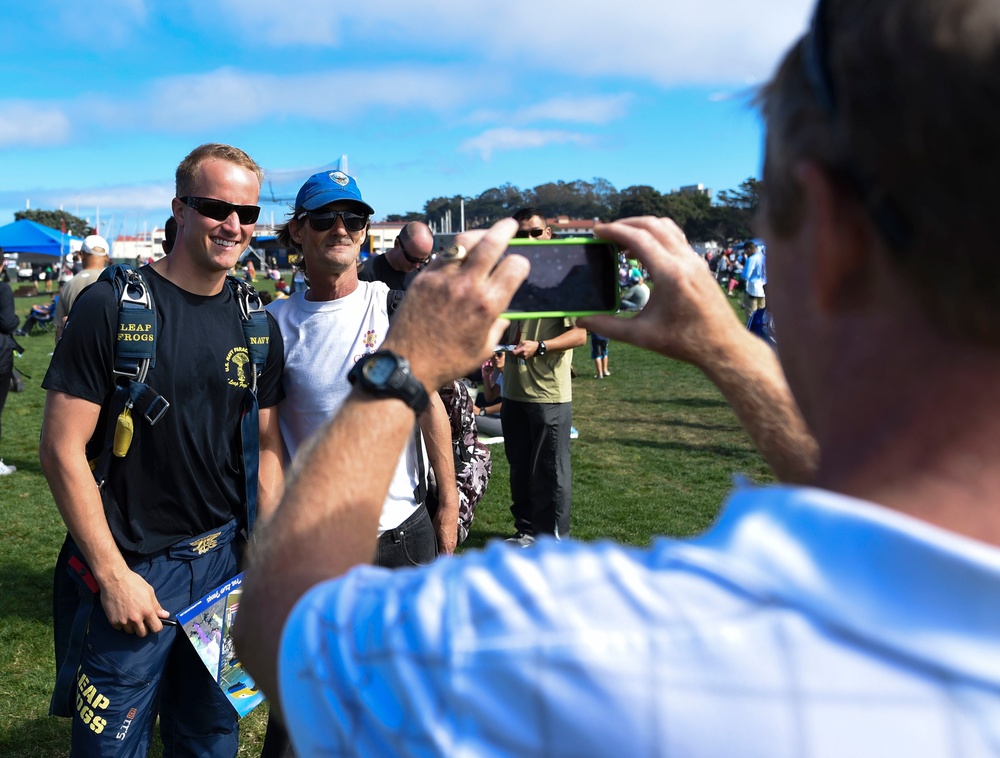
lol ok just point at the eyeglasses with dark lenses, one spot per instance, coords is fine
(220, 210)
(322, 222)
(410, 258)
(525, 233)
(884, 212)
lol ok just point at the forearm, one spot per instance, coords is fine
(79, 502)
(327, 522)
(436, 428)
(750, 377)
(493, 407)
(271, 471)
(491, 393)
(66, 425)
(569, 339)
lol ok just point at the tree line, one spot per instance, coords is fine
(728, 218)
(61, 220)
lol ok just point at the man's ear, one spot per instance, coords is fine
(295, 230)
(840, 238)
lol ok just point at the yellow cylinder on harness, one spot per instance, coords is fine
(123, 433)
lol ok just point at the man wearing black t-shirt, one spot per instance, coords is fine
(166, 532)
(398, 265)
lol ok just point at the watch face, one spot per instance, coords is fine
(380, 368)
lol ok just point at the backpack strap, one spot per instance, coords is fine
(256, 331)
(257, 335)
(393, 299)
(134, 355)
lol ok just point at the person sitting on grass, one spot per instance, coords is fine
(39, 314)
(490, 400)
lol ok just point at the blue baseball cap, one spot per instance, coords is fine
(330, 187)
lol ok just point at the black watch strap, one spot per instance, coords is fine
(542, 350)
(386, 374)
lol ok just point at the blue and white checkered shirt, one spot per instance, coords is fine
(803, 624)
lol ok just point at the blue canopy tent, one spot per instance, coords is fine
(36, 243)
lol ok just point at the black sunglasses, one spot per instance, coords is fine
(220, 210)
(884, 212)
(524, 233)
(410, 258)
(322, 222)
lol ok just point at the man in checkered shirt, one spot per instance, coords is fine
(853, 615)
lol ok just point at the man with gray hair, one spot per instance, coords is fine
(855, 616)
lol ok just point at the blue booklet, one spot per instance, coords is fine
(208, 626)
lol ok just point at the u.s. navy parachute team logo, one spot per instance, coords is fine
(340, 178)
(237, 365)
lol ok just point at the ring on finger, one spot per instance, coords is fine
(454, 254)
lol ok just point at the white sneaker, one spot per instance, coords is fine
(5, 469)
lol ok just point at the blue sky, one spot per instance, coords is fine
(100, 100)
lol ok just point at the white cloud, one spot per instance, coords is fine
(25, 124)
(665, 41)
(230, 97)
(303, 22)
(507, 138)
(597, 109)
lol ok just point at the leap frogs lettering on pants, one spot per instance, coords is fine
(135, 333)
(88, 702)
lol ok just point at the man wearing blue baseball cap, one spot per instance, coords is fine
(334, 326)
(329, 187)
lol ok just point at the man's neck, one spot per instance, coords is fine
(395, 258)
(917, 431)
(332, 286)
(178, 269)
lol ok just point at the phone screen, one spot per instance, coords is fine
(569, 277)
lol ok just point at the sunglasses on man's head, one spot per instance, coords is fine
(524, 233)
(322, 222)
(410, 258)
(816, 57)
(220, 210)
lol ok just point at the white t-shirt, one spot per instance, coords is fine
(802, 624)
(323, 341)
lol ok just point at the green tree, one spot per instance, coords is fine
(736, 210)
(406, 217)
(640, 200)
(74, 225)
(746, 198)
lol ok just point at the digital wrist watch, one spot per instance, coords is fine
(386, 374)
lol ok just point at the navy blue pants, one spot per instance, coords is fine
(123, 682)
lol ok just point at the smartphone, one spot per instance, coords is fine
(576, 276)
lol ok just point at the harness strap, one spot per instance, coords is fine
(250, 437)
(79, 575)
(135, 341)
(257, 335)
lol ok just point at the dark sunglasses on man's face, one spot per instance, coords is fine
(322, 222)
(220, 210)
(410, 258)
(523, 233)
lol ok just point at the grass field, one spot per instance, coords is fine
(657, 449)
